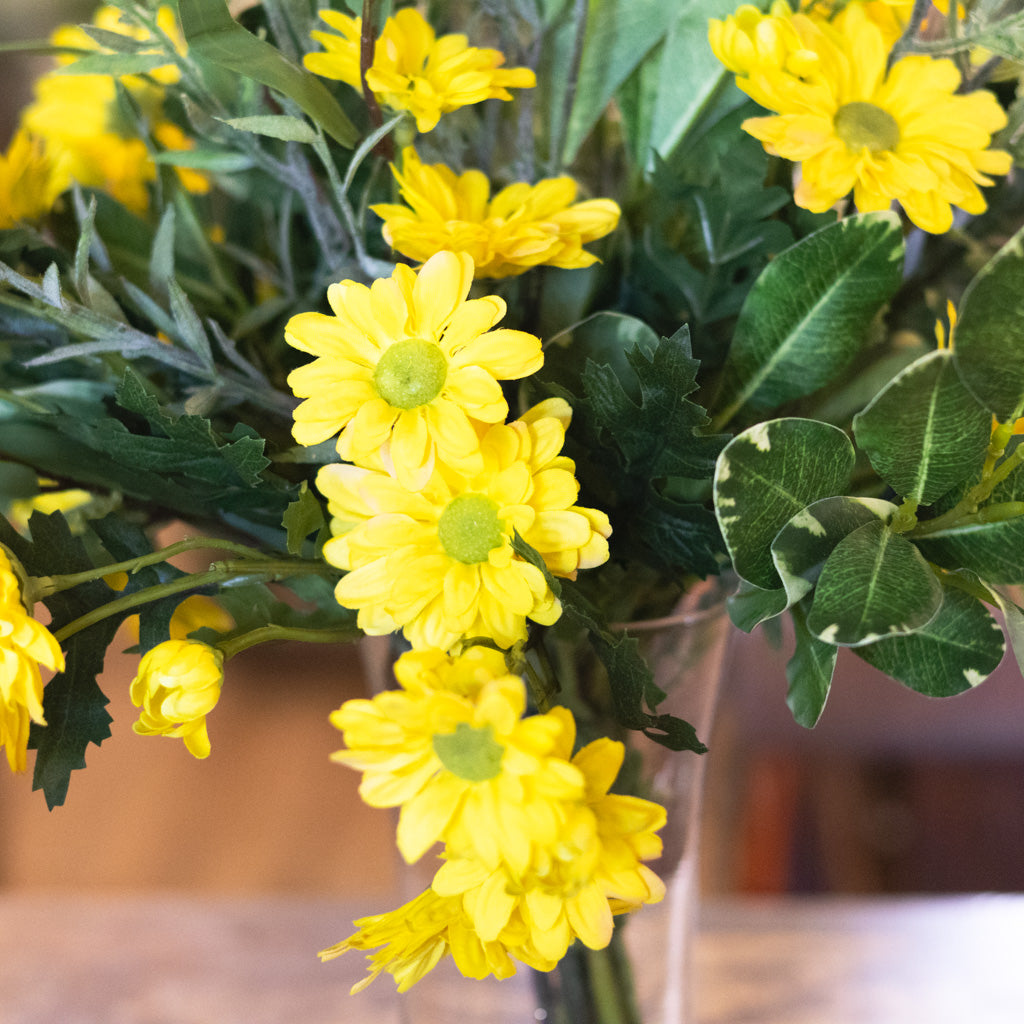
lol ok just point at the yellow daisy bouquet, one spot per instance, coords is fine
(494, 328)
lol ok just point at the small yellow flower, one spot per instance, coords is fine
(900, 133)
(29, 180)
(20, 510)
(413, 69)
(523, 226)
(751, 40)
(407, 365)
(452, 749)
(177, 685)
(25, 644)
(438, 563)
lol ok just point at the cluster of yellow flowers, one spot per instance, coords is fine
(537, 852)
(852, 119)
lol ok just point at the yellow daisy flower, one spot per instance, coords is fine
(24, 645)
(29, 180)
(438, 563)
(413, 69)
(177, 685)
(452, 749)
(902, 134)
(752, 40)
(523, 226)
(407, 365)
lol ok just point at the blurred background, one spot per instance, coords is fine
(891, 793)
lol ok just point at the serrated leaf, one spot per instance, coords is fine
(302, 517)
(958, 649)
(214, 35)
(801, 547)
(807, 315)
(809, 673)
(874, 584)
(275, 126)
(658, 433)
(768, 474)
(752, 605)
(989, 336)
(681, 534)
(924, 433)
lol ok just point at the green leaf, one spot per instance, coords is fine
(768, 474)
(217, 161)
(1013, 616)
(809, 673)
(874, 584)
(924, 433)
(801, 547)
(679, 534)
(809, 311)
(751, 605)
(276, 126)
(957, 650)
(214, 35)
(114, 64)
(989, 337)
(302, 517)
(161, 256)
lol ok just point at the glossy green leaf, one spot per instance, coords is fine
(214, 35)
(801, 547)
(958, 649)
(750, 605)
(990, 332)
(808, 313)
(809, 673)
(874, 584)
(925, 432)
(768, 474)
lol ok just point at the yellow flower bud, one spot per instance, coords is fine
(178, 684)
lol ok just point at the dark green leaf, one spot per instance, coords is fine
(809, 672)
(874, 584)
(680, 534)
(768, 474)
(750, 605)
(302, 517)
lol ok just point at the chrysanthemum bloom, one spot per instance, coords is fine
(407, 365)
(177, 685)
(413, 69)
(592, 870)
(24, 645)
(452, 749)
(29, 181)
(751, 39)
(438, 563)
(523, 226)
(901, 135)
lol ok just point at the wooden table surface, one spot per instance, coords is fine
(176, 960)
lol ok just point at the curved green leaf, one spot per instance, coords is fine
(750, 605)
(957, 650)
(874, 584)
(809, 673)
(768, 474)
(807, 315)
(214, 35)
(801, 547)
(925, 432)
(989, 332)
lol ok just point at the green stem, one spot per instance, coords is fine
(44, 586)
(219, 572)
(264, 634)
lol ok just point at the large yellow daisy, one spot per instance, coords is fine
(413, 69)
(522, 226)
(438, 563)
(902, 134)
(407, 365)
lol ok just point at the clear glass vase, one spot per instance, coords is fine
(645, 975)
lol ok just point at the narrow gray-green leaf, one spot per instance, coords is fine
(51, 287)
(276, 126)
(213, 34)
(809, 673)
(161, 255)
(217, 161)
(874, 584)
(115, 64)
(765, 476)
(925, 432)
(190, 327)
(82, 249)
(808, 313)
(990, 332)
(959, 648)
(800, 548)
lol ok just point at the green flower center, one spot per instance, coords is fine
(469, 528)
(471, 754)
(410, 373)
(863, 124)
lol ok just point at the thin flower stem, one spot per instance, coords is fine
(265, 634)
(367, 44)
